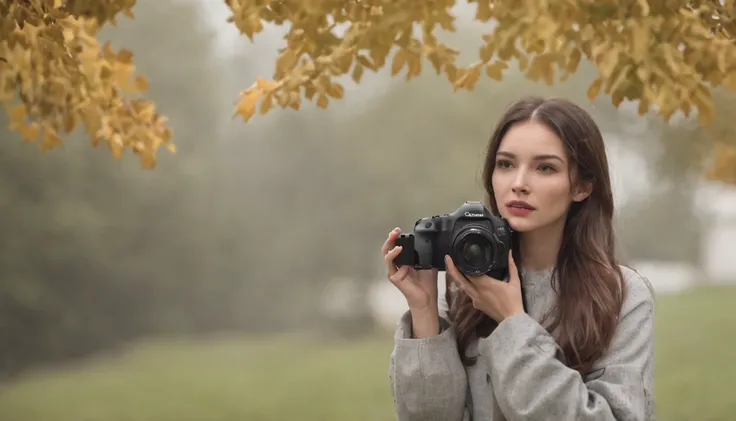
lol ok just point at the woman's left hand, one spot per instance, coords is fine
(494, 297)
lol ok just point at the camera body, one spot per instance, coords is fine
(477, 241)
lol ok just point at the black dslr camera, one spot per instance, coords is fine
(477, 241)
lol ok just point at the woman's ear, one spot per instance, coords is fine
(582, 191)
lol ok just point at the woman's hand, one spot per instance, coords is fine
(418, 287)
(496, 298)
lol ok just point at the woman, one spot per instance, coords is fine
(582, 349)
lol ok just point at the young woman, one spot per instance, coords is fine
(582, 349)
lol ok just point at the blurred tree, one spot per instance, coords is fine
(177, 205)
(666, 57)
(93, 253)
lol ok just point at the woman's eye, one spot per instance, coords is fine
(503, 164)
(546, 168)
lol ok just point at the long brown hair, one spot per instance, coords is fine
(587, 278)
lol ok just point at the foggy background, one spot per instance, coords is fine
(242, 279)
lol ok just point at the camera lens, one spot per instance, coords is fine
(475, 254)
(474, 251)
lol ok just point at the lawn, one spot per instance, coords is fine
(291, 378)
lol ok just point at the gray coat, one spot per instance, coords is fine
(520, 373)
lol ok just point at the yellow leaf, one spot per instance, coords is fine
(49, 139)
(296, 103)
(483, 12)
(266, 103)
(494, 70)
(436, 62)
(414, 66)
(345, 63)
(398, 62)
(141, 83)
(309, 91)
(335, 90)
(286, 60)
(365, 61)
(145, 110)
(473, 77)
(17, 115)
(125, 56)
(617, 98)
(452, 73)
(640, 38)
(69, 122)
(322, 101)
(116, 145)
(545, 69)
(620, 80)
(594, 88)
(486, 53)
(573, 61)
(246, 108)
(643, 74)
(357, 73)
(378, 55)
(29, 132)
(608, 62)
(704, 104)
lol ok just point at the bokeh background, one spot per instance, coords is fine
(241, 279)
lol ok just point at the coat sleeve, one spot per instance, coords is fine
(531, 383)
(428, 380)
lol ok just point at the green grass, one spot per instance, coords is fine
(292, 378)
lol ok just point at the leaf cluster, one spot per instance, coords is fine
(56, 76)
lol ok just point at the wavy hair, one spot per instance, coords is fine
(586, 278)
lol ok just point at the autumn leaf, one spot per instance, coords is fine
(247, 105)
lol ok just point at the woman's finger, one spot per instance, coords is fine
(399, 275)
(466, 286)
(403, 281)
(389, 259)
(389, 243)
(513, 271)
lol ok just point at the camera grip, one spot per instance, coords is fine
(408, 255)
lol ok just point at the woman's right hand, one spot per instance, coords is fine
(419, 287)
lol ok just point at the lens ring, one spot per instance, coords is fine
(474, 250)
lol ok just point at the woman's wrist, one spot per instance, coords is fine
(425, 322)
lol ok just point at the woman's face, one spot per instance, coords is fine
(531, 179)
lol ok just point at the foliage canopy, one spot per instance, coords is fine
(55, 76)
(667, 56)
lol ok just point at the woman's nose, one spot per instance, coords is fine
(520, 184)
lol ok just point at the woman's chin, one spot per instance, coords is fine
(521, 224)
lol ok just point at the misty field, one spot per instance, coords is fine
(293, 378)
